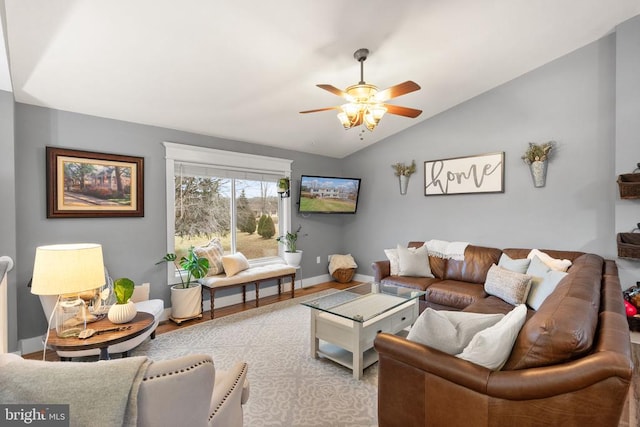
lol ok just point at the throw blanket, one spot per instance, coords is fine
(100, 393)
(444, 249)
(341, 261)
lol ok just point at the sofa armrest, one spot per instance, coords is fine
(230, 392)
(381, 269)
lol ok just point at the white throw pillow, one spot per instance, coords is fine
(542, 287)
(449, 331)
(553, 263)
(510, 286)
(414, 263)
(213, 252)
(394, 262)
(517, 265)
(234, 263)
(491, 347)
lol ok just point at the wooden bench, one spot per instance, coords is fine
(253, 275)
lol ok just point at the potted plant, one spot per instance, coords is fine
(403, 172)
(186, 298)
(537, 156)
(292, 255)
(124, 310)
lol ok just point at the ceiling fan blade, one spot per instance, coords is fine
(320, 109)
(402, 111)
(397, 90)
(334, 90)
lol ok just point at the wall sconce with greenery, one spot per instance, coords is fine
(403, 172)
(537, 156)
(283, 187)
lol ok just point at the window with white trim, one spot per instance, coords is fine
(232, 196)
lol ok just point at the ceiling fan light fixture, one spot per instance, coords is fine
(373, 115)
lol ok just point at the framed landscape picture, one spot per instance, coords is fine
(465, 175)
(84, 184)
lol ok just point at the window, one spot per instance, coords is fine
(232, 196)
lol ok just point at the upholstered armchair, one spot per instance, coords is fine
(187, 391)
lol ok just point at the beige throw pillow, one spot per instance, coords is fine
(510, 286)
(414, 263)
(543, 282)
(492, 347)
(449, 331)
(394, 262)
(234, 263)
(213, 252)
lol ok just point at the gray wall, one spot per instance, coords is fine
(570, 100)
(7, 201)
(131, 246)
(627, 150)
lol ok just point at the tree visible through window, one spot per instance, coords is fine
(246, 222)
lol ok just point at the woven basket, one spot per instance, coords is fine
(344, 275)
(629, 245)
(629, 185)
(634, 323)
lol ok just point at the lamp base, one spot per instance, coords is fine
(69, 320)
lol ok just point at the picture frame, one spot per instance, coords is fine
(482, 173)
(86, 184)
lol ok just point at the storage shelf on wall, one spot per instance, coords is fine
(629, 245)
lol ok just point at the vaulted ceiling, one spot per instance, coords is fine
(243, 70)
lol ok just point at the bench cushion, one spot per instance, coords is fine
(247, 276)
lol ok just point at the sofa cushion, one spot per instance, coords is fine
(420, 283)
(476, 264)
(543, 282)
(449, 331)
(491, 347)
(413, 262)
(517, 265)
(510, 286)
(454, 294)
(564, 326)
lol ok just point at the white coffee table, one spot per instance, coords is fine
(344, 324)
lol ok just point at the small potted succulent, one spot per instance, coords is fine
(186, 298)
(292, 255)
(124, 310)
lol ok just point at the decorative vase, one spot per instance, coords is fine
(404, 182)
(122, 313)
(186, 302)
(293, 258)
(538, 170)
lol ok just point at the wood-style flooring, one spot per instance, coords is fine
(223, 311)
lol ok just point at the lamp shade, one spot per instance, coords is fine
(67, 269)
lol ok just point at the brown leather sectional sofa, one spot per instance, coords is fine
(570, 365)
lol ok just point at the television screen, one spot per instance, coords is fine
(323, 194)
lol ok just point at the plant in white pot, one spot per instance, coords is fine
(124, 310)
(292, 255)
(186, 297)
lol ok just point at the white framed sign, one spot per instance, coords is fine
(465, 175)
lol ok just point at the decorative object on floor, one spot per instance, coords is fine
(288, 387)
(366, 105)
(283, 187)
(84, 184)
(465, 175)
(67, 270)
(537, 156)
(292, 255)
(403, 172)
(629, 184)
(186, 297)
(342, 267)
(124, 310)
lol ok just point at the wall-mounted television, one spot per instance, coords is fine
(326, 194)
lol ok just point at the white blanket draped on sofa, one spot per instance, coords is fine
(444, 249)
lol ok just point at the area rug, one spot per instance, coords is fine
(288, 387)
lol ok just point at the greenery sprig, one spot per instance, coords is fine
(402, 169)
(538, 152)
(289, 240)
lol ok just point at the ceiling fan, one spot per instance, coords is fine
(366, 104)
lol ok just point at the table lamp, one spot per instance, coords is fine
(67, 270)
